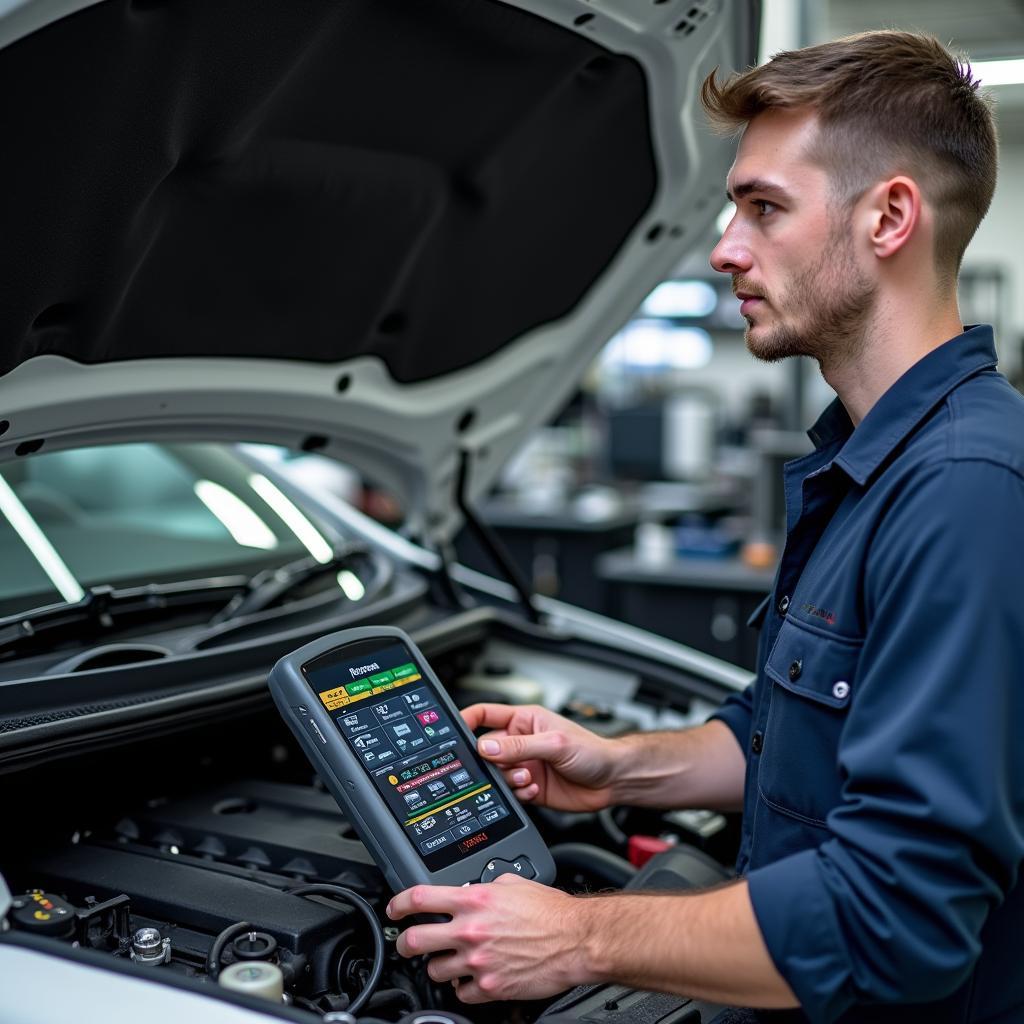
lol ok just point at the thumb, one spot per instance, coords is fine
(539, 746)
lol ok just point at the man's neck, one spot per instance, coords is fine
(894, 341)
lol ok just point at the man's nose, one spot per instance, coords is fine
(730, 256)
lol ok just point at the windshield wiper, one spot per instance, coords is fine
(106, 607)
(271, 585)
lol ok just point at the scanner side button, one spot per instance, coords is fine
(494, 868)
(521, 866)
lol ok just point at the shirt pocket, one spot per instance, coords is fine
(812, 685)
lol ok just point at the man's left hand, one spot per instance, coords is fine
(507, 939)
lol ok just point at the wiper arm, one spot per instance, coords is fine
(102, 605)
(271, 585)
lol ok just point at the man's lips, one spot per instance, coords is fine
(748, 301)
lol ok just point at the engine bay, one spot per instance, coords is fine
(212, 854)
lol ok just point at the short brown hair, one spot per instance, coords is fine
(887, 102)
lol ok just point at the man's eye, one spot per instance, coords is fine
(764, 206)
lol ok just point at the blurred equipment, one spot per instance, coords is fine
(671, 439)
(774, 448)
(702, 602)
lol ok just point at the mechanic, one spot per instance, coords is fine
(877, 756)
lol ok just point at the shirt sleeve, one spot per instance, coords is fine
(929, 833)
(736, 711)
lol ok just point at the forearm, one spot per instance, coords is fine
(704, 945)
(700, 767)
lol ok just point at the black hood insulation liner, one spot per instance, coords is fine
(316, 179)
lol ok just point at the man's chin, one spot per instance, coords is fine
(767, 345)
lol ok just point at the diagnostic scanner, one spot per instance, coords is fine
(391, 746)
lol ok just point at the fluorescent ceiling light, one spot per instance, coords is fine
(681, 298)
(352, 585)
(38, 543)
(999, 72)
(237, 518)
(655, 346)
(311, 538)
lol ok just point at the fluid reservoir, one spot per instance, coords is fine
(255, 978)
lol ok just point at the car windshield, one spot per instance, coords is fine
(131, 514)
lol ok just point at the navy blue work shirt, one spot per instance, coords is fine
(883, 821)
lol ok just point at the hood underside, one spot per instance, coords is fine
(387, 229)
(311, 178)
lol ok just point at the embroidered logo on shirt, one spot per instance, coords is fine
(821, 613)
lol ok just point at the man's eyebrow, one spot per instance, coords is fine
(744, 188)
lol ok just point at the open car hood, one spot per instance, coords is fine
(392, 231)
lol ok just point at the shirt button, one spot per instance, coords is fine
(795, 669)
(841, 690)
(783, 605)
(757, 743)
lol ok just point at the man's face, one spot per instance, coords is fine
(789, 248)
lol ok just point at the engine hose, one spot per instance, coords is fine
(376, 931)
(392, 999)
(609, 867)
(217, 949)
(606, 817)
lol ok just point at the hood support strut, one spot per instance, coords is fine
(489, 540)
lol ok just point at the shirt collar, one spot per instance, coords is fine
(904, 405)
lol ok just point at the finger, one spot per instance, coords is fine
(494, 734)
(469, 991)
(426, 938)
(512, 879)
(526, 794)
(426, 899)
(494, 716)
(446, 968)
(539, 746)
(517, 778)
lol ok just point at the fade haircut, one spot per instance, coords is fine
(887, 103)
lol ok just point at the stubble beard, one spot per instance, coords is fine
(827, 310)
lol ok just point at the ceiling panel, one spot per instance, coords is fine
(984, 29)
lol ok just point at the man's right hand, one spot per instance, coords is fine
(544, 757)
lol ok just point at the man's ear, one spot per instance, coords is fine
(895, 214)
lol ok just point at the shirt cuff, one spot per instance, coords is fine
(738, 719)
(797, 918)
